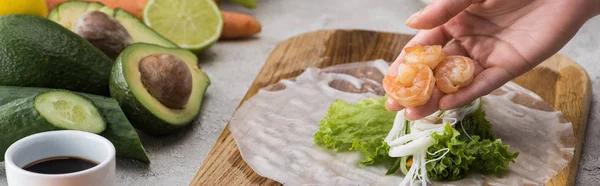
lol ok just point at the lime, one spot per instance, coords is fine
(32, 7)
(192, 24)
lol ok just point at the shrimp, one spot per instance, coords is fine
(428, 55)
(453, 73)
(412, 86)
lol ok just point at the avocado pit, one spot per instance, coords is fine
(104, 32)
(167, 78)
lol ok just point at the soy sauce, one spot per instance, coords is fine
(60, 165)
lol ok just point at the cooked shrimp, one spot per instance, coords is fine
(412, 86)
(428, 55)
(454, 72)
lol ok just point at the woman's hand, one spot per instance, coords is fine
(506, 38)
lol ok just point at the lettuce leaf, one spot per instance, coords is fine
(466, 155)
(456, 163)
(493, 157)
(360, 127)
(476, 124)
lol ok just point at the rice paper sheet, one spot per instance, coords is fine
(274, 131)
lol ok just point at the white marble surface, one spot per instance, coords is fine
(232, 67)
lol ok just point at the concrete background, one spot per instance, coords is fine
(233, 65)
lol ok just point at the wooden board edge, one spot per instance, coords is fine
(571, 74)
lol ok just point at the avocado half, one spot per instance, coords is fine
(145, 111)
(67, 14)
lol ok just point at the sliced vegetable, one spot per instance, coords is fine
(51, 110)
(118, 129)
(68, 110)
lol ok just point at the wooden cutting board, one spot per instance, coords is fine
(559, 81)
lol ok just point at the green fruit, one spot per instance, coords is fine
(118, 129)
(51, 110)
(192, 24)
(159, 89)
(37, 52)
(139, 32)
(67, 13)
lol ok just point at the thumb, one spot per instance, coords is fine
(437, 13)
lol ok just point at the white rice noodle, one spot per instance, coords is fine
(413, 136)
(412, 147)
(399, 126)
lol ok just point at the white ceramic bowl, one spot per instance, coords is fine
(61, 143)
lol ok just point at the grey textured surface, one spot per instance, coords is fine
(233, 65)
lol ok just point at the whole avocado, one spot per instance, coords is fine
(36, 52)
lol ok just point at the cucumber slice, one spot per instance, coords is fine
(22, 117)
(118, 129)
(69, 111)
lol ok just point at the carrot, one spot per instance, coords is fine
(237, 26)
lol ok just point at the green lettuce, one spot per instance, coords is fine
(363, 126)
(455, 164)
(360, 127)
(470, 153)
(476, 124)
(493, 156)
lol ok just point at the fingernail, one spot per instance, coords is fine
(388, 102)
(443, 106)
(410, 115)
(411, 20)
(408, 21)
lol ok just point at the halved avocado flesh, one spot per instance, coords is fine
(140, 33)
(145, 112)
(67, 14)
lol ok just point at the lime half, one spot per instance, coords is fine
(192, 24)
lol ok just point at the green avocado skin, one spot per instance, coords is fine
(141, 118)
(36, 52)
(118, 129)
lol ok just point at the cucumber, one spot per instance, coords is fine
(118, 129)
(50, 110)
(67, 110)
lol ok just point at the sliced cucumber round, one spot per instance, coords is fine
(68, 110)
